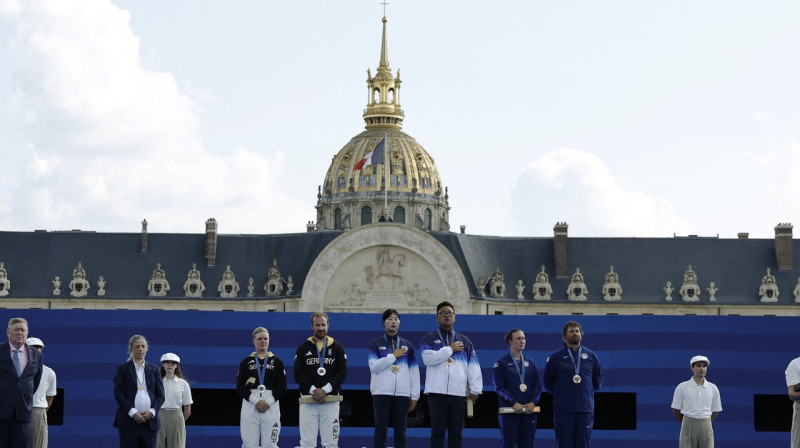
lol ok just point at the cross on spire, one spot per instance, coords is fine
(384, 3)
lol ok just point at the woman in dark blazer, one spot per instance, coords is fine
(139, 393)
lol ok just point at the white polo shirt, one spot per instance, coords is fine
(47, 388)
(696, 400)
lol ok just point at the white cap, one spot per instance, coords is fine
(36, 342)
(170, 357)
(699, 358)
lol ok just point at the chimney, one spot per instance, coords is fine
(463, 229)
(560, 246)
(211, 242)
(743, 235)
(310, 226)
(144, 235)
(783, 246)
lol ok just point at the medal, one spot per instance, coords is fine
(395, 368)
(523, 387)
(141, 387)
(576, 361)
(261, 388)
(450, 361)
(321, 371)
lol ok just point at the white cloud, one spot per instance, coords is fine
(112, 141)
(577, 187)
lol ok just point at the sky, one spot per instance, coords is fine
(622, 118)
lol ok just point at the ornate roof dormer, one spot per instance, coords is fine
(383, 94)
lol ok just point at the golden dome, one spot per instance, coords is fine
(414, 186)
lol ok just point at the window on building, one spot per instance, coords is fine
(366, 215)
(426, 223)
(399, 215)
(337, 219)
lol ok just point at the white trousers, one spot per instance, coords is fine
(260, 426)
(796, 426)
(319, 418)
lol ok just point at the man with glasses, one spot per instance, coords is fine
(452, 377)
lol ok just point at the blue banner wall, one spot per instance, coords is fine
(645, 355)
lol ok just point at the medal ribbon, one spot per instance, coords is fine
(572, 357)
(520, 367)
(445, 341)
(391, 344)
(322, 352)
(261, 369)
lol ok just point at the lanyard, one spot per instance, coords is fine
(572, 357)
(322, 352)
(520, 367)
(445, 341)
(261, 369)
(392, 344)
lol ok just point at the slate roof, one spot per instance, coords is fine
(644, 265)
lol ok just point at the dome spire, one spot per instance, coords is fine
(383, 92)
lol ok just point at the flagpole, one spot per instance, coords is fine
(386, 169)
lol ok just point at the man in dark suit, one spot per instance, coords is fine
(139, 393)
(20, 372)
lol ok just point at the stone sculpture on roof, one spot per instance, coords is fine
(668, 291)
(101, 286)
(497, 285)
(5, 283)
(274, 285)
(769, 289)
(712, 292)
(78, 286)
(542, 290)
(193, 286)
(797, 291)
(690, 290)
(577, 290)
(228, 287)
(520, 288)
(612, 290)
(158, 284)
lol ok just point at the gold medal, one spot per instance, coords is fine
(450, 361)
(141, 387)
(523, 387)
(395, 368)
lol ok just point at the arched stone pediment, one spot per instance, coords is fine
(384, 265)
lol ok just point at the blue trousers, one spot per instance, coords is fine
(573, 429)
(447, 414)
(517, 430)
(386, 406)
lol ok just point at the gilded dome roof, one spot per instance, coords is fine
(412, 169)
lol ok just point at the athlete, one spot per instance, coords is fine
(261, 382)
(320, 367)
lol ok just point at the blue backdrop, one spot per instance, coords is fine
(645, 355)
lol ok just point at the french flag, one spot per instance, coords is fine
(373, 157)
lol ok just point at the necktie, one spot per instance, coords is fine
(16, 361)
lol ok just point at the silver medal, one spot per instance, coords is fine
(261, 389)
(523, 387)
(576, 379)
(321, 371)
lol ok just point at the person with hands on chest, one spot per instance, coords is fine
(260, 382)
(518, 386)
(139, 392)
(320, 368)
(452, 377)
(394, 380)
(572, 375)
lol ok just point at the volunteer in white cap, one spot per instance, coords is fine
(42, 400)
(177, 405)
(696, 403)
